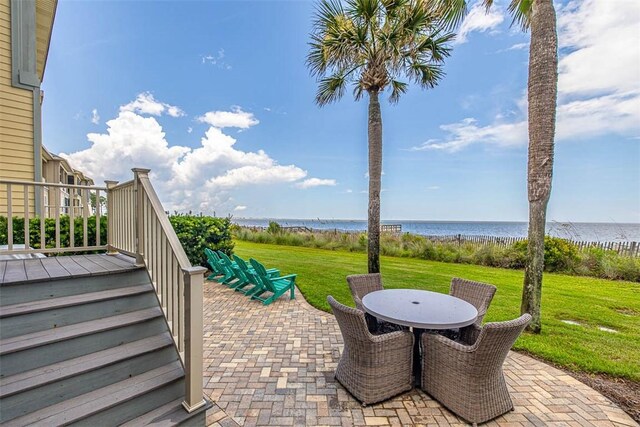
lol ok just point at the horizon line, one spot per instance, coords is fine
(432, 220)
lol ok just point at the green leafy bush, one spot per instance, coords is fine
(559, 254)
(274, 228)
(199, 232)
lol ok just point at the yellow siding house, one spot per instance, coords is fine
(25, 32)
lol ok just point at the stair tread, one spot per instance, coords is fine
(67, 301)
(169, 414)
(22, 271)
(76, 366)
(101, 399)
(23, 342)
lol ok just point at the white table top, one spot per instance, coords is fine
(420, 309)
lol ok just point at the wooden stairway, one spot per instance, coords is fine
(93, 350)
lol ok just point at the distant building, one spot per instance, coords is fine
(56, 169)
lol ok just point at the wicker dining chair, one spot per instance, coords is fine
(477, 294)
(468, 379)
(361, 285)
(372, 368)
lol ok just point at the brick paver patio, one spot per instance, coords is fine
(273, 365)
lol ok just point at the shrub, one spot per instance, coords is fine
(50, 231)
(199, 232)
(593, 260)
(619, 267)
(485, 255)
(514, 258)
(274, 228)
(559, 254)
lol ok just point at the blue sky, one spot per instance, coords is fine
(216, 99)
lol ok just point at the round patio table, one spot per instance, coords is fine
(419, 310)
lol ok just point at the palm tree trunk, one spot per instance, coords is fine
(543, 82)
(375, 177)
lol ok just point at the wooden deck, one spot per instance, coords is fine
(61, 267)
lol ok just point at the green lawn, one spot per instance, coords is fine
(592, 302)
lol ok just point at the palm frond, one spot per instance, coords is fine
(452, 12)
(397, 89)
(366, 10)
(427, 75)
(521, 11)
(316, 58)
(325, 13)
(358, 90)
(393, 7)
(336, 41)
(415, 19)
(436, 46)
(331, 89)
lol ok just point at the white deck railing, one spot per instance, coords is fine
(138, 227)
(26, 194)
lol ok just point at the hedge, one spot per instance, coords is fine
(198, 232)
(50, 231)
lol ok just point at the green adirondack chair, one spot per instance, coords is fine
(242, 278)
(253, 284)
(276, 286)
(228, 274)
(216, 270)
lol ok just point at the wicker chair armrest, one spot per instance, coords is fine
(358, 303)
(469, 334)
(444, 342)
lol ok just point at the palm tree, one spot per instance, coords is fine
(370, 45)
(539, 16)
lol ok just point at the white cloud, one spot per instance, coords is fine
(174, 111)
(519, 46)
(216, 59)
(239, 208)
(467, 132)
(348, 191)
(227, 119)
(480, 20)
(433, 187)
(131, 140)
(598, 92)
(602, 37)
(248, 175)
(200, 179)
(145, 103)
(95, 117)
(189, 129)
(316, 182)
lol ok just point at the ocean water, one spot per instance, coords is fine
(593, 232)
